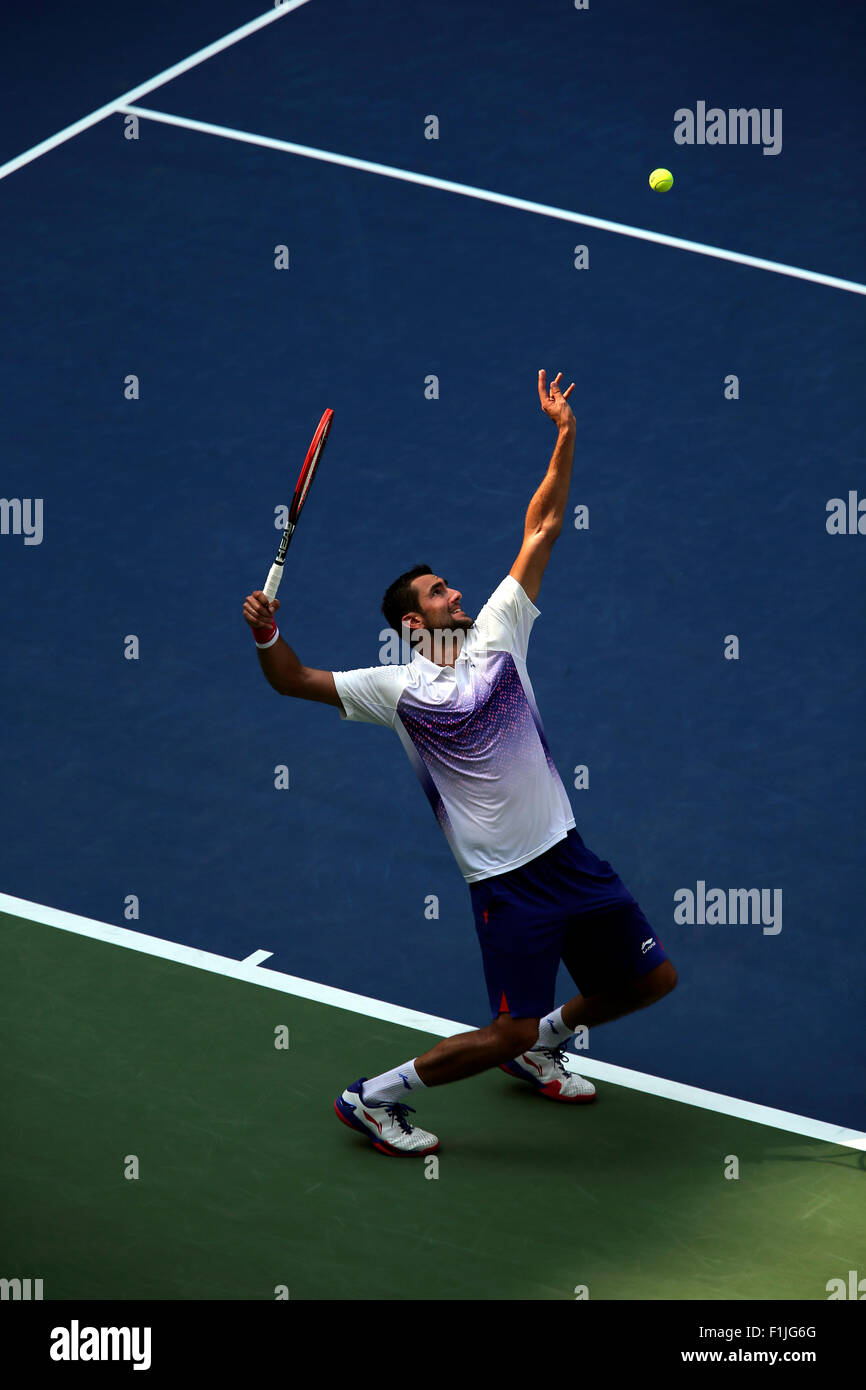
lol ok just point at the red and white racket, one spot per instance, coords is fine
(308, 472)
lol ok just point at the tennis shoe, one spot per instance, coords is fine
(387, 1126)
(544, 1068)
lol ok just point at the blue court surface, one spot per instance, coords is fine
(699, 650)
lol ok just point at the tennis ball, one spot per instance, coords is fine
(660, 180)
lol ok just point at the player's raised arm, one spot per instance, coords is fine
(546, 511)
(280, 665)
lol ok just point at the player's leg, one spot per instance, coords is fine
(618, 964)
(467, 1054)
(614, 1003)
(609, 947)
(520, 959)
(378, 1108)
(521, 925)
(523, 979)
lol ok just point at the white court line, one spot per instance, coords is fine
(485, 195)
(170, 73)
(425, 1023)
(257, 957)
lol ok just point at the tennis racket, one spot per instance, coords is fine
(302, 491)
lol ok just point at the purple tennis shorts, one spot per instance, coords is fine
(567, 905)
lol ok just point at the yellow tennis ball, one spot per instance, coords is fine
(660, 180)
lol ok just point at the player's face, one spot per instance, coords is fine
(440, 604)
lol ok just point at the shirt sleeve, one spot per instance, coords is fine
(370, 694)
(506, 620)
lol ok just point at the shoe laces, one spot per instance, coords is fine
(557, 1056)
(397, 1110)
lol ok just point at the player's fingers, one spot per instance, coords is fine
(542, 386)
(257, 613)
(566, 394)
(261, 598)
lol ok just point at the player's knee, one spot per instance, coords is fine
(655, 985)
(661, 981)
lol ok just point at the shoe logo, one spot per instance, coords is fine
(645, 945)
(368, 1116)
(528, 1059)
(404, 1078)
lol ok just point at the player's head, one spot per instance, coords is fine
(421, 599)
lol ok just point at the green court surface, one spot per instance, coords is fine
(248, 1181)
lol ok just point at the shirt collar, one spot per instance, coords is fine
(431, 670)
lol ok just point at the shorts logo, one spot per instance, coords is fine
(645, 945)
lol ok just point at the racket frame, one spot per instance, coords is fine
(302, 488)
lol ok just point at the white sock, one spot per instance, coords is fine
(552, 1031)
(392, 1085)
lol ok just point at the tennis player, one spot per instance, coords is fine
(464, 710)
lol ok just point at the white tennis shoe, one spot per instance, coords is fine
(544, 1069)
(387, 1127)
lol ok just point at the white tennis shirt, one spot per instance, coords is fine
(474, 737)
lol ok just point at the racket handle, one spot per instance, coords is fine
(273, 581)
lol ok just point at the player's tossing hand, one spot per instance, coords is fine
(555, 402)
(258, 612)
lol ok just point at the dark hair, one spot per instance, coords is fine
(400, 597)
